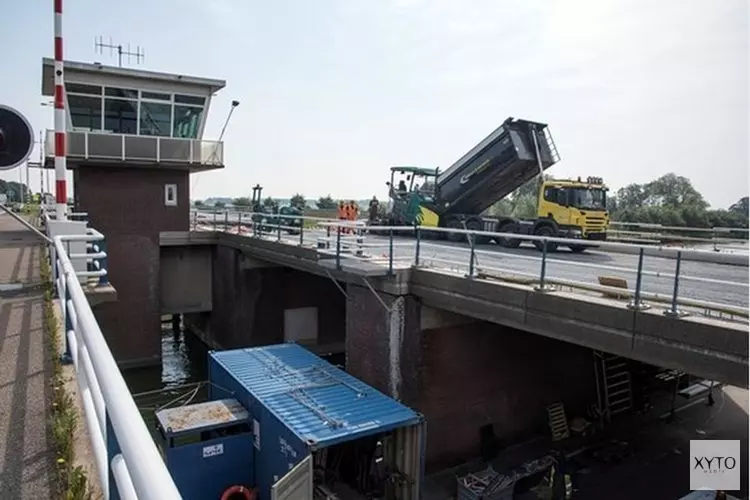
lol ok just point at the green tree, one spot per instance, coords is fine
(298, 201)
(270, 203)
(631, 197)
(219, 204)
(521, 203)
(673, 191)
(198, 203)
(742, 207)
(671, 200)
(15, 191)
(326, 203)
(242, 201)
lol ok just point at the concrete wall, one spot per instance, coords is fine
(186, 279)
(127, 205)
(382, 346)
(249, 299)
(486, 374)
(463, 374)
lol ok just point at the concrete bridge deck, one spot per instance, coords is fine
(708, 276)
(706, 347)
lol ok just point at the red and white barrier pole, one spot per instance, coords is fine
(61, 190)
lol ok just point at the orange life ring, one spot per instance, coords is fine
(238, 491)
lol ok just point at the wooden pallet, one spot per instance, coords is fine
(558, 422)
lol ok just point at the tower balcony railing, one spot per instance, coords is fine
(87, 146)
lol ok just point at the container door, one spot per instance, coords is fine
(297, 484)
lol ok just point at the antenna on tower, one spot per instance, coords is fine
(139, 53)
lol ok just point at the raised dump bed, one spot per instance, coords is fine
(502, 162)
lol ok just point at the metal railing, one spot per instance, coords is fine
(636, 232)
(128, 462)
(128, 147)
(386, 246)
(630, 232)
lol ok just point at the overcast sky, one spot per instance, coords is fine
(334, 92)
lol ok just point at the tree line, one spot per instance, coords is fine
(15, 191)
(298, 201)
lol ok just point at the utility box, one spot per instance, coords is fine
(208, 447)
(317, 431)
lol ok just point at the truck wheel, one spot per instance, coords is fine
(577, 248)
(475, 225)
(545, 231)
(455, 237)
(508, 227)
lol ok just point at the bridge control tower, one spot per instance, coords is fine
(133, 139)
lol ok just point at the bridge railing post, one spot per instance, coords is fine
(104, 278)
(278, 227)
(113, 449)
(543, 287)
(418, 232)
(637, 303)
(673, 311)
(91, 248)
(66, 357)
(239, 222)
(472, 256)
(359, 240)
(390, 252)
(214, 220)
(302, 232)
(338, 248)
(226, 221)
(195, 220)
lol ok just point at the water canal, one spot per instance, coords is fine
(177, 381)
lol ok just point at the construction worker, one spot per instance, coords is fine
(373, 212)
(347, 217)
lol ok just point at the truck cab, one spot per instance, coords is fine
(577, 205)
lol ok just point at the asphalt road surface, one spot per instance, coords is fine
(698, 280)
(716, 283)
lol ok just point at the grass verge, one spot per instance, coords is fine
(71, 481)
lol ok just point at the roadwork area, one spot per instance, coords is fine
(26, 448)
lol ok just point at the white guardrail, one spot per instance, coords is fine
(128, 462)
(345, 240)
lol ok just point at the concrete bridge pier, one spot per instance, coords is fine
(382, 341)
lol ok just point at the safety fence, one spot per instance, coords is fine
(128, 462)
(681, 285)
(727, 239)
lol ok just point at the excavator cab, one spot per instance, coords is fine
(412, 193)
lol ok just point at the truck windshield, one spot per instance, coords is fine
(589, 199)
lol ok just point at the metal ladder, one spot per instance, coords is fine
(551, 145)
(615, 390)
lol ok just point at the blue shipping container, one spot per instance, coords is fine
(301, 406)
